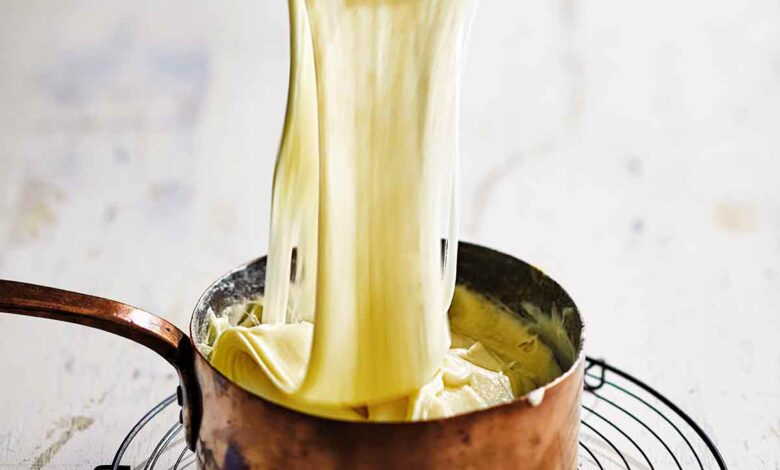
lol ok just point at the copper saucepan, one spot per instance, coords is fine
(228, 427)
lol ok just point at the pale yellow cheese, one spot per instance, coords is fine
(355, 322)
(363, 192)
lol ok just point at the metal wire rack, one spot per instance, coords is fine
(626, 424)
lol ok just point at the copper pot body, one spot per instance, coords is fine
(229, 427)
(241, 430)
(238, 430)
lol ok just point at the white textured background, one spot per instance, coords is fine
(629, 148)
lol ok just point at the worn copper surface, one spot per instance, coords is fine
(239, 430)
(242, 430)
(232, 428)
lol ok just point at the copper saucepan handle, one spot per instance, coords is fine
(142, 327)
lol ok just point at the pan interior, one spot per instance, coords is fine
(522, 289)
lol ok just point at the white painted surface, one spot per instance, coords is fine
(630, 149)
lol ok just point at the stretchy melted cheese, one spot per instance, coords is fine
(355, 322)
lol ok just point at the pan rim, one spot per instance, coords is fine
(521, 401)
